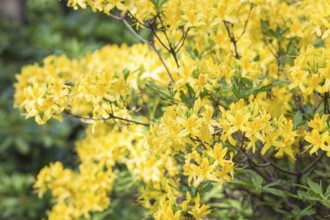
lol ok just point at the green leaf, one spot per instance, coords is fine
(190, 97)
(158, 90)
(298, 213)
(196, 53)
(264, 25)
(22, 146)
(154, 106)
(257, 182)
(241, 182)
(220, 205)
(245, 82)
(235, 89)
(126, 73)
(205, 188)
(213, 193)
(316, 188)
(193, 190)
(298, 119)
(327, 192)
(265, 88)
(277, 33)
(190, 89)
(173, 186)
(6, 144)
(269, 86)
(274, 191)
(235, 204)
(276, 183)
(306, 196)
(184, 98)
(158, 3)
(309, 210)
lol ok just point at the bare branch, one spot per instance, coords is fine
(182, 40)
(111, 116)
(246, 23)
(137, 20)
(313, 164)
(134, 32)
(232, 38)
(240, 148)
(267, 45)
(161, 42)
(280, 169)
(152, 44)
(122, 18)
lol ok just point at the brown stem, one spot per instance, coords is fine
(232, 38)
(171, 49)
(246, 23)
(152, 44)
(241, 147)
(181, 41)
(313, 164)
(111, 116)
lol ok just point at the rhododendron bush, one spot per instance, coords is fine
(221, 111)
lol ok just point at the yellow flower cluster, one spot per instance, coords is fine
(311, 71)
(87, 87)
(43, 91)
(162, 200)
(75, 194)
(189, 131)
(257, 125)
(319, 138)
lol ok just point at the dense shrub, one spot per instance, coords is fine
(220, 112)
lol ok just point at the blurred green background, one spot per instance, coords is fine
(29, 31)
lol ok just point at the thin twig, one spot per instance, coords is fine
(152, 44)
(270, 163)
(326, 103)
(316, 96)
(318, 159)
(160, 41)
(241, 147)
(281, 169)
(122, 18)
(137, 20)
(267, 45)
(119, 18)
(232, 38)
(246, 23)
(171, 48)
(181, 41)
(134, 32)
(164, 30)
(111, 116)
(255, 168)
(267, 164)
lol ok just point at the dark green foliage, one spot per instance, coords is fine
(25, 147)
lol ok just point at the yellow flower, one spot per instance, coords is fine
(199, 210)
(318, 141)
(318, 123)
(218, 153)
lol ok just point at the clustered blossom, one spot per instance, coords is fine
(89, 86)
(311, 71)
(244, 70)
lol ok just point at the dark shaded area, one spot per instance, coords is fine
(43, 27)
